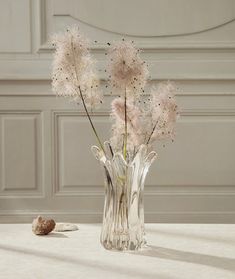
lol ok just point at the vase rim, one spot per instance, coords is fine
(101, 154)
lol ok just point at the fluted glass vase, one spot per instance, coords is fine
(123, 216)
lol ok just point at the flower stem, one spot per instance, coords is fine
(125, 138)
(88, 115)
(83, 101)
(151, 133)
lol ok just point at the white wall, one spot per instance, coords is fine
(45, 161)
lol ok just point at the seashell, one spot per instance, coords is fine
(42, 226)
(63, 227)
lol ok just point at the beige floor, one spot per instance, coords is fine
(175, 251)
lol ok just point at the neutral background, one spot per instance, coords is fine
(45, 161)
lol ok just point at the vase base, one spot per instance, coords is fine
(124, 245)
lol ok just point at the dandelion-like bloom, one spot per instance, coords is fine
(138, 119)
(73, 68)
(118, 138)
(133, 112)
(133, 121)
(149, 120)
(126, 70)
(164, 112)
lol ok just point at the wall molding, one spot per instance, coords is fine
(150, 190)
(59, 190)
(38, 189)
(213, 217)
(203, 65)
(194, 88)
(37, 64)
(153, 190)
(146, 42)
(35, 69)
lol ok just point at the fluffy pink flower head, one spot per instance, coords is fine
(73, 67)
(133, 112)
(164, 111)
(126, 70)
(134, 125)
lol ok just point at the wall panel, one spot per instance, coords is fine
(21, 147)
(46, 166)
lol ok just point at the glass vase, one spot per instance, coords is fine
(123, 216)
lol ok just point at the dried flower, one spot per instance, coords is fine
(133, 115)
(137, 121)
(73, 72)
(73, 68)
(127, 71)
(164, 112)
(133, 112)
(91, 91)
(147, 121)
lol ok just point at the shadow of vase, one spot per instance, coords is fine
(188, 257)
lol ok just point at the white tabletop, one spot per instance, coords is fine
(175, 251)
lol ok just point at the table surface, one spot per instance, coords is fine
(175, 251)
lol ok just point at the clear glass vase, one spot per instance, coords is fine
(123, 217)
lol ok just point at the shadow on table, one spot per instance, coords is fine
(128, 271)
(56, 235)
(189, 257)
(181, 234)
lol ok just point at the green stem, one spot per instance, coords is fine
(88, 115)
(151, 133)
(83, 101)
(125, 138)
